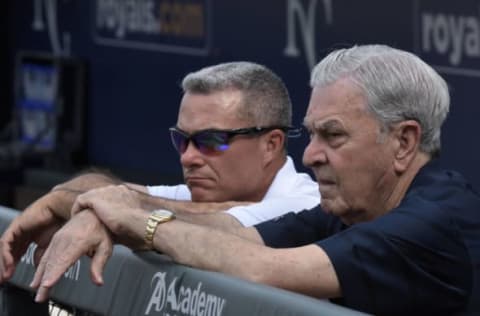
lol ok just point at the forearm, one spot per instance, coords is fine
(151, 202)
(132, 223)
(87, 181)
(207, 248)
(203, 213)
(189, 207)
(304, 269)
(64, 195)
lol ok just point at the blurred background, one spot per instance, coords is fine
(96, 82)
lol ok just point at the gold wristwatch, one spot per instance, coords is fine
(155, 218)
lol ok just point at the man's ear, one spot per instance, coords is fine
(407, 139)
(274, 143)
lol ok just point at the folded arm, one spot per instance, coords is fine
(133, 195)
(239, 252)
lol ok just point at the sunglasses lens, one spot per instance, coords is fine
(211, 142)
(179, 141)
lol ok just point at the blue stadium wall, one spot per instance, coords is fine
(137, 52)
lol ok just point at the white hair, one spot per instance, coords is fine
(397, 85)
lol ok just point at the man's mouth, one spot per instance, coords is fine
(195, 180)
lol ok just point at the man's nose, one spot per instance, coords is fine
(191, 156)
(315, 153)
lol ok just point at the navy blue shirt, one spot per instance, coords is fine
(422, 257)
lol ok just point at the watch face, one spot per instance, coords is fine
(162, 213)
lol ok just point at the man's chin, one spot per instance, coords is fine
(330, 207)
(348, 217)
(203, 195)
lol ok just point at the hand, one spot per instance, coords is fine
(37, 224)
(42, 219)
(119, 208)
(83, 234)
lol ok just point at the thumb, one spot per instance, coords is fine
(76, 208)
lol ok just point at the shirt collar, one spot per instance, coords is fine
(278, 185)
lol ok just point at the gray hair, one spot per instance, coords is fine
(265, 98)
(398, 86)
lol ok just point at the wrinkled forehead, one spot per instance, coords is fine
(341, 101)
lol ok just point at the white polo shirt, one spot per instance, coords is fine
(290, 191)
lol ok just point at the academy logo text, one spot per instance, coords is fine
(168, 299)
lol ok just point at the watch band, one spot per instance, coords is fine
(155, 218)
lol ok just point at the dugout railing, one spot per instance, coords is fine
(148, 283)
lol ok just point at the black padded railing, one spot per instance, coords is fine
(148, 283)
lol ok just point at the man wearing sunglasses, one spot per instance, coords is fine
(395, 234)
(231, 136)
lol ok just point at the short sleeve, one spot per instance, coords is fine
(255, 213)
(402, 262)
(174, 192)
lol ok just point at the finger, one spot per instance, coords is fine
(6, 262)
(42, 294)
(59, 260)
(76, 206)
(11, 250)
(37, 277)
(21, 233)
(82, 202)
(44, 279)
(55, 261)
(99, 260)
(16, 243)
(38, 254)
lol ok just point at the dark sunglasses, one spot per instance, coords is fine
(212, 141)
